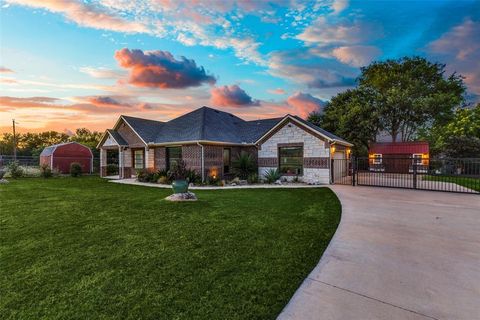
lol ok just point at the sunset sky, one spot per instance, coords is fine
(69, 64)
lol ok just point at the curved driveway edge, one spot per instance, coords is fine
(397, 254)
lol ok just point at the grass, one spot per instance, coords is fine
(471, 183)
(88, 249)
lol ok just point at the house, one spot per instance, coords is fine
(208, 139)
(399, 157)
(60, 156)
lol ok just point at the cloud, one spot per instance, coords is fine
(86, 15)
(102, 73)
(324, 32)
(231, 96)
(5, 70)
(306, 68)
(277, 91)
(106, 101)
(159, 69)
(459, 48)
(356, 56)
(339, 5)
(305, 103)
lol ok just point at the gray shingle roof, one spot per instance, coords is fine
(322, 131)
(209, 125)
(118, 138)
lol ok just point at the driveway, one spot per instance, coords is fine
(397, 254)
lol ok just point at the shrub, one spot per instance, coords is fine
(15, 170)
(243, 165)
(75, 169)
(178, 171)
(252, 178)
(45, 171)
(193, 177)
(272, 175)
(211, 181)
(112, 169)
(143, 175)
(163, 180)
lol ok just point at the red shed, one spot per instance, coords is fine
(60, 156)
(399, 156)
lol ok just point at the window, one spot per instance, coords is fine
(417, 158)
(174, 155)
(138, 159)
(291, 160)
(227, 159)
(377, 158)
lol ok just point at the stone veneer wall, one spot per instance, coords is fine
(316, 153)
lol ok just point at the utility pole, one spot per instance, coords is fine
(14, 142)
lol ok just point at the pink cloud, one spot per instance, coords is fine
(159, 69)
(460, 49)
(86, 15)
(304, 104)
(277, 91)
(357, 56)
(5, 70)
(231, 96)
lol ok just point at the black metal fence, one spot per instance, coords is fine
(31, 164)
(451, 175)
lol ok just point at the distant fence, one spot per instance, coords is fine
(32, 162)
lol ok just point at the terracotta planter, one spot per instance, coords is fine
(180, 186)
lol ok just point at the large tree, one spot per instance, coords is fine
(459, 138)
(399, 97)
(410, 93)
(351, 116)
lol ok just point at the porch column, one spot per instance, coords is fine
(149, 158)
(120, 163)
(103, 162)
(127, 163)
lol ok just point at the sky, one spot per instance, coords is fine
(71, 64)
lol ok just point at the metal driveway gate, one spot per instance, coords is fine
(450, 175)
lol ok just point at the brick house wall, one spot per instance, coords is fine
(316, 153)
(159, 161)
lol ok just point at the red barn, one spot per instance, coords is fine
(60, 156)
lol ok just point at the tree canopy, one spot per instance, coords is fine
(399, 97)
(32, 144)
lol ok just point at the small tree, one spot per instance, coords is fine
(15, 170)
(75, 169)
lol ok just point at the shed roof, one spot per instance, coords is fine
(410, 147)
(51, 149)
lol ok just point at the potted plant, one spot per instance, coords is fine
(178, 173)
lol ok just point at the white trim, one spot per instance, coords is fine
(181, 143)
(379, 158)
(121, 117)
(288, 116)
(414, 159)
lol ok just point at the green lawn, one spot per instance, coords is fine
(471, 183)
(88, 249)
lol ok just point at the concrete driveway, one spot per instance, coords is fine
(397, 254)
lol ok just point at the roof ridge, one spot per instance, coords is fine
(202, 123)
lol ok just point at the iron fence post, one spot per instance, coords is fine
(331, 171)
(414, 174)
(354, 166)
